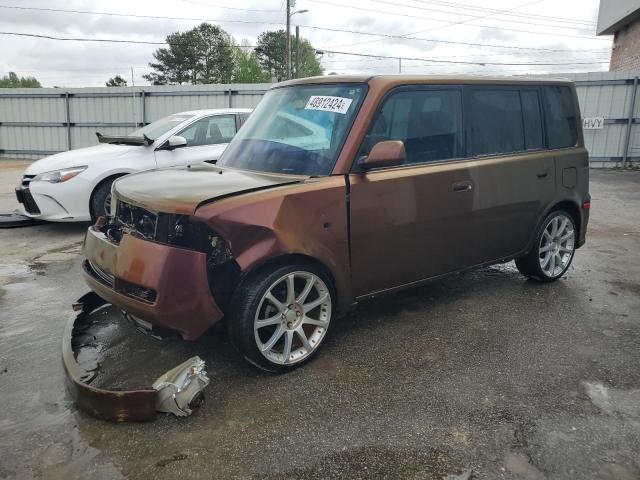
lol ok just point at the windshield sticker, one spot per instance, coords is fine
(328, 104)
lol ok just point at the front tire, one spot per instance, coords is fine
(100, 202)
(280, 316)
(553, 249)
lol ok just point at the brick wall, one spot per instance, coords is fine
(626, 48)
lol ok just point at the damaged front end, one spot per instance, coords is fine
(178, 391)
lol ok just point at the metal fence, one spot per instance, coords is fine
(43, 121)
(39, 122)
(609, 103)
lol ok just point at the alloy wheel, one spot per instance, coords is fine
(292, 318)
(557, 245)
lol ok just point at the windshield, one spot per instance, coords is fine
(160, 127)
(296, 130)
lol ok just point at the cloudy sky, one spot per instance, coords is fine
(481, 36)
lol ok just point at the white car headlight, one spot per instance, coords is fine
(58, 176)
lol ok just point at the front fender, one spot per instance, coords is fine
(308, 219)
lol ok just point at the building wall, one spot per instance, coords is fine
(626, 48)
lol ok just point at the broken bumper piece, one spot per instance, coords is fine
(178, 391)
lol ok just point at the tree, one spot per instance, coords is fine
(204, 54)
(247, 67)
(12, 81)
(272, 51)
(116, 81)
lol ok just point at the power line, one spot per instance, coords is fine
(155, 17)
(452, 61)
(230, 8)
(435, 10)
(508, 13)
(404, 37)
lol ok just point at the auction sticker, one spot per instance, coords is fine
(329, 104)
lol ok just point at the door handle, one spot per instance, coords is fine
(543, 174)
(462, 186)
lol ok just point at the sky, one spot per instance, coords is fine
(429, 35)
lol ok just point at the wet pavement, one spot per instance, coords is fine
(481, 375)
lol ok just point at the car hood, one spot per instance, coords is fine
(81, 156)
(182, 190)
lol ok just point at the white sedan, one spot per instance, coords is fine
(76, 185)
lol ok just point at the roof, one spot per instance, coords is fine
(614, 15)
(420, 79)
(214, 111)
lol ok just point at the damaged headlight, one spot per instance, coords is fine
(184, 232)
(58, 176)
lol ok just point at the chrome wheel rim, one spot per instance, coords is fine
(292, 318)
(556, 246)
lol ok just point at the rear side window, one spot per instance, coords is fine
(560, 114)
(532, 121)
(429, 122)
(496, 121)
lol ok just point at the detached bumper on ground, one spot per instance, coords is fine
(177, 391)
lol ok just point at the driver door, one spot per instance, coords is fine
(206, 139)
(413, 221)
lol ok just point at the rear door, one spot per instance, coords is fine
(206, 139)
(413, 221)
(513, 171)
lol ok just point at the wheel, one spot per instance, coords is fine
(553, 250)
(100, 203)
(281, 315)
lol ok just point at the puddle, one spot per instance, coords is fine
(15, 270)
(612, 400)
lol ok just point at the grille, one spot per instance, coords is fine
(30, 204)
(136, 220)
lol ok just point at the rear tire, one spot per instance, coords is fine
(100, 201)
(281, 315)
(553, 248)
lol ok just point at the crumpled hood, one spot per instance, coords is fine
(182, 190)
(81, 156)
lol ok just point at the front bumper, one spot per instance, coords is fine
(177, 391)
(57, 202)
(163, 285)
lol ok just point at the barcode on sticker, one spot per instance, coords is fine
(329, 104)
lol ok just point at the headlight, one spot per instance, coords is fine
(181, 231)
(58, 176)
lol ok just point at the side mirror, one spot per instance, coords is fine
(175, 142)
(385, 154)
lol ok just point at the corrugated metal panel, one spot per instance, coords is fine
(123, 106)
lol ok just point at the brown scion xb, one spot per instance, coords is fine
(338, 189)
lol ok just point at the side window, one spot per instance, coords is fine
(429, 122)
(533, 138)
(210, 131)
(560, 115)
(496, 121)
(220, 129)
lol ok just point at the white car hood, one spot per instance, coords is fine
(83, 156)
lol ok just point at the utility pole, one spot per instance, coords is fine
(288, 59)
(297, 51)
(399, 64)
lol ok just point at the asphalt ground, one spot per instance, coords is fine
(480, 375)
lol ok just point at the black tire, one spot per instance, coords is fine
(99, 199)
(531, 265)
(249, 297)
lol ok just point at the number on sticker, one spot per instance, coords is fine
(328, 104)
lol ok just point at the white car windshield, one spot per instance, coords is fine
(296, 130)
(160, 127)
